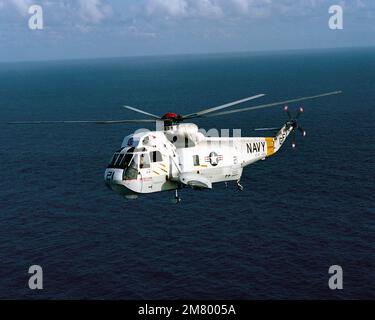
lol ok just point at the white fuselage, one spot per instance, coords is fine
(166, 160)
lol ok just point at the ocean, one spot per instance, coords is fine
(301, 211)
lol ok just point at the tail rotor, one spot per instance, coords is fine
(294, 124)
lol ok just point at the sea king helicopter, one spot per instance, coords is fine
(178, 155)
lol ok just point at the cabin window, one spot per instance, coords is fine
(144, 161)
(156, 156)
(196, 160)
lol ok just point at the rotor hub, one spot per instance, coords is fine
(171, 116)
(294, 123)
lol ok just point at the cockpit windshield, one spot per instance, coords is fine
(131, 162)
(121, 160)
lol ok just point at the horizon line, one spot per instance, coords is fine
(208, 53)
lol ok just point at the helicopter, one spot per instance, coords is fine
(178, 155)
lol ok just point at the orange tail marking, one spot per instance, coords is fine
(270, 146)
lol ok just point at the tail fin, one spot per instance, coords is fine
(282, 135)
(274, 144)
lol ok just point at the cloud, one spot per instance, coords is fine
(184, 8)
(135, 31)
(80, 11)
(94, 11)
(206, 8)
(239, 8)
(241, 5)
(22, 6)
(172, 8)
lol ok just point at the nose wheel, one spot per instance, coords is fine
(239, 186)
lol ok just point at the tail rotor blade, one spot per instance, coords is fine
(300, 111)
(293, 139)
(286, 109)
(303, 132)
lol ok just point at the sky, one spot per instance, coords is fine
(75, 29)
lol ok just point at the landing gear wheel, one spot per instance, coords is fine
(239, 186)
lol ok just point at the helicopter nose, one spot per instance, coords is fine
(113, 179)
(112, 176)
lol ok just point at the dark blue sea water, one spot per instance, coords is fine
(301, 211)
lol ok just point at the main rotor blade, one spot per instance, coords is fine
(273, 104)
(141, 111)
(267, 129)
(83, 121)
(227, 105)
